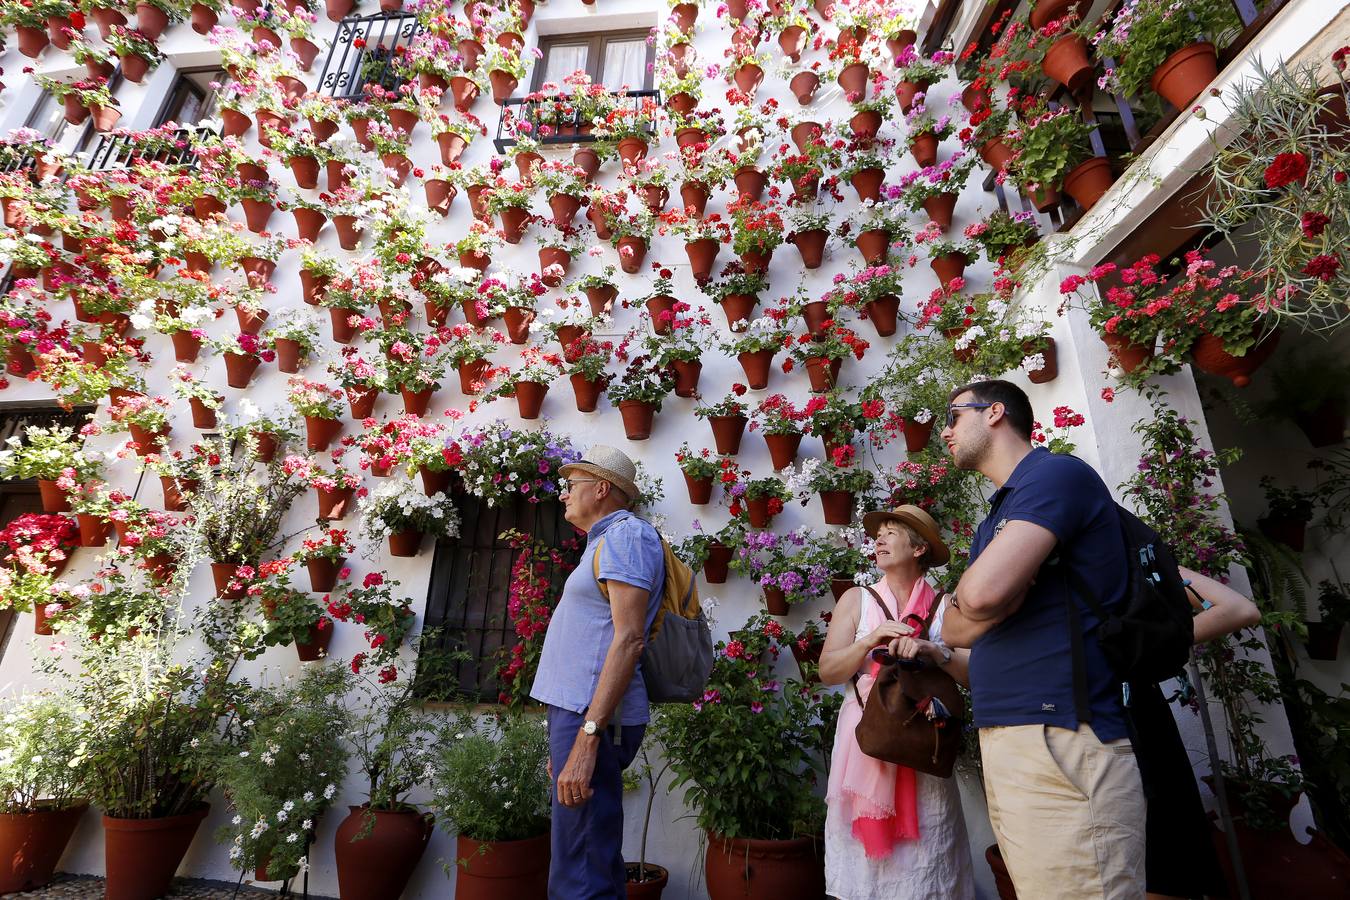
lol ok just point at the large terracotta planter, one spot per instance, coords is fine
(141, 855)
(31, 844)
(378, 866)
(638, 417)
(783, 448)
(1088, 181)
(741, 869)
(1185, 74)
(1208, 355)
(500, 869)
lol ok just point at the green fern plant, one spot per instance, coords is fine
(1278, 579)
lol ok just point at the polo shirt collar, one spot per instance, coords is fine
(1020, 471)
(600, 527)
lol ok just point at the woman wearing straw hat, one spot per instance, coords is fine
(890, 832)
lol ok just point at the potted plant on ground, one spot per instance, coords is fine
(491, 789)
(283, 773)
(43, 794)
(646, 880)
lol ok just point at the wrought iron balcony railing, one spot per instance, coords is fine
(121, 151)
(16, 158)
(568, 131)
(363, 51)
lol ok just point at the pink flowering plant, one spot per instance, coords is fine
(314, 398)
(499, 462)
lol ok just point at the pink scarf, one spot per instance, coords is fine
(879, 798)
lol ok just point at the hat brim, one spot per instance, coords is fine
(940, 553)
(629, 488)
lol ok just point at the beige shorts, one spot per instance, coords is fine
(1068, 812)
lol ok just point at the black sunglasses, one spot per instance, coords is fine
(951, 410)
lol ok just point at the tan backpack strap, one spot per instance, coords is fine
(880, 602)
(595, 569)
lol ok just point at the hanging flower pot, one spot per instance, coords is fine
(239, 368)
(343, 329)
(907, 93)
(683, 103)
(588, 161)
(587, 392)
(716, 565)
(1049, 369)
(867, 182)
(530, 398)
(739, 309)
(783, 448)
(791, 40)
(267, 445)
(811, 245)
(940, 208)
(141, 855)
(924, 149)
(518, 319)
(362, 401)
(203, 416)
(996, 153)
(471, 376)
(632, 149)
(838, 507)
(151, 20)
(1088, 181)
(756, 365)
(756, 262)
(1125, 354)
(748, 77)
(1185, 74)
(865, 123)
(1066, 61)
(323, 573)
(308, 222)
(503, 85)
(105, 117)
(1208, 355)
(251, 321)
(803, 86)
(415, 402)
(564, 208)
(816, 314)
(757, 509)
(1324, 640)
(93, 530)
(823, 372)
(853, 79)
(514, 222)
(333, 504)
(1044, 199)
(257, 213)
(75, 115)
(549, 258)
(380, 864)
(917, 434)
(597, 219)
(750, 182)
(638, 416)
(315, 645)
(600, 298)
(175, 491)
(222, 574)
(54, 500)
(874, 244)
(349, 231)
(775, 600)
(439, 194)
(700, 489)
(975, 98)
(727, 433)
(134, 67)
(32, 41)
(307, 50)
(884, 312)
(683, 15)
(949, 266)
(404, 544)
(320, 432)
(257, 271)
(632, 251)
(148, 442)
(686, 377)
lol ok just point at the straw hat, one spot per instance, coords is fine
(612, 465)
(917, 519)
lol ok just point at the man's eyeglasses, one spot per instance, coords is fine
(951, 410)
(569, 483)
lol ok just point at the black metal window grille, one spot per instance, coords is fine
(16, 158)
(120, 151)
(471, 585)
(519, 109)
(363, 51)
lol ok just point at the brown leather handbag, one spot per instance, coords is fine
(913, 715)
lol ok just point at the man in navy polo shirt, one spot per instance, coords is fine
(1065, 798)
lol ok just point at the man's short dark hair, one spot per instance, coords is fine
(1016, 406)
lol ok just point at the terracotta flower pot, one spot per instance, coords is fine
(755, 261)
(700, 489)
(785, 870)
(349, 231)
(811, 245)
(323, 573)
(553, 265)
(865, 123)
(1088, 181)
(756, 365)
(32, 41)
(924, 149)
(748, 77)
(853, 79)
(686, 377)
(632, 251)
(31, 844)
(518, 319)
(775, 601)
(435, 482)
(175, 492)
(918, 434)
(1209, 355)
(949, 266)
(907, 93)
(222, 574)
(257, 213)
(105, 117)
(838, 507)
(530, 398)
(757, 510)
(702, 255)
(463, 91)
(239, 369)
(342, 327)
(874, 244)
(471, 376)
(315, 647)
(497, 869)
(320, 432)
(716, 565)
(783, 448)
(587, 392)
(54, 500)
(816, 314)
(739, 310)
(503, 85)
(307, 50)
(632, 149)
(440, 193)
(1066, 61)
(1045, 199)
(514, 223)
(1043, 12)
(867, 182)
(362, 401)
(415, 402)
(333, 504)
(1185, 74)
(600, 298)
(940, 208)
(404, 544)
(791, 41)
(974, 98)
(750, 182)
(141, 855)
(308, 223)
(203, 416)
(803, 86)
(638, 417)
(267, 445)
(379, 866)
(727, 433)
(884, 312)
(823, 372)
(1126, 354)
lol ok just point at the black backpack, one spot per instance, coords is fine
(1147, 638)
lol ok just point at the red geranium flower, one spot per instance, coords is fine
(1324, 267)
(1286, 168)
(1314, 223)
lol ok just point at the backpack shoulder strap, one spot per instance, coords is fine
(595, 569)
(880, 602)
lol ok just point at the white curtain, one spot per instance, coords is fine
(563, 60)
(625, 65)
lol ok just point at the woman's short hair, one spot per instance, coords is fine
(925, 559)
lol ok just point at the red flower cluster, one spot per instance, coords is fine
(1324, 267)
(1286, 168)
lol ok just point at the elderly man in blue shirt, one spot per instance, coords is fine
(589, 675)
(1063, 786)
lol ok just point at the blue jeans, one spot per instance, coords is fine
(587, 842)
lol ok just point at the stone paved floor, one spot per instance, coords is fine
(90, 887)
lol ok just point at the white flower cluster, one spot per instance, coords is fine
(399, 505)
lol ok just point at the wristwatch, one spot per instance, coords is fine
(946, 654)
(592, 727)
